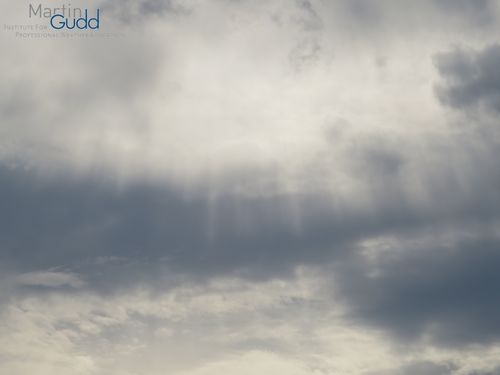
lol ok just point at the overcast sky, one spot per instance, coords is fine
(272, 187)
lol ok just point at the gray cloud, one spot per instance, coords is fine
(440, 285)
(446, 293)
(49, 279)
(170, 158)
(75, 219)
(493, 372)
(471, 78)
(480, 13)
(420, 368)
(133, 13)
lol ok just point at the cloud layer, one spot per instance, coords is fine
(299, 187)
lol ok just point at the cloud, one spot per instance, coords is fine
(444, 293)
(481, 13)
(471, 79)
(421, 368)
(50, 279)
(226, 323)
(191, 329)
(162, 192)
(134, 13)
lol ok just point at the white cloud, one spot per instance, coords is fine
(50, 279)
(230, 325)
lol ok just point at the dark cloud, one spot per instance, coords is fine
(367, 11)
(82, 224)
(123, 235)
(427, 288)
(471, 78)
(444, 292)
(480, 12)
(419, 368)
(373, 19)
(492, 372)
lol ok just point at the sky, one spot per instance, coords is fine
(299, 187)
